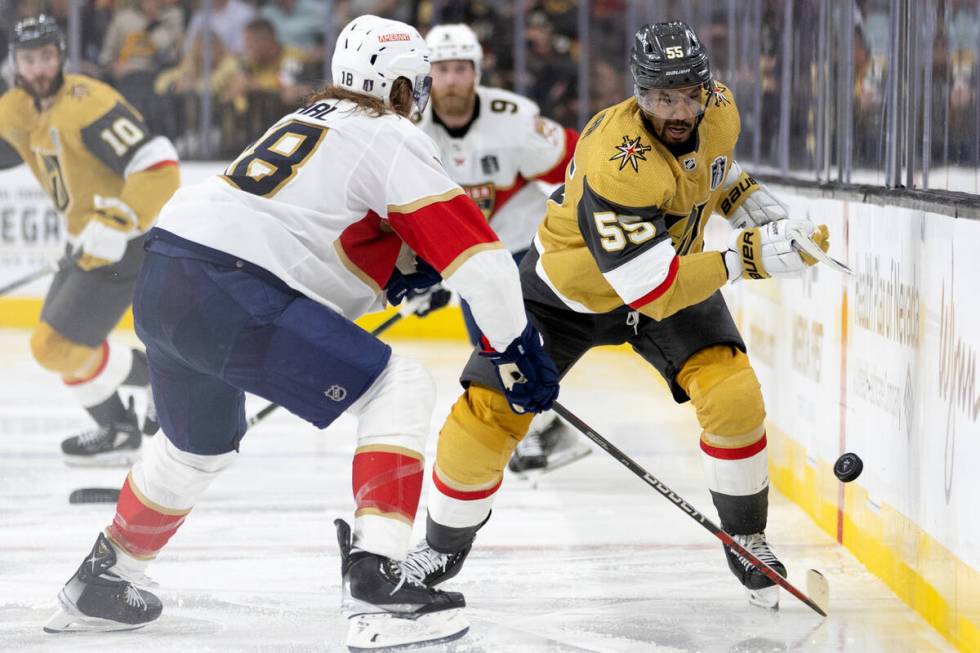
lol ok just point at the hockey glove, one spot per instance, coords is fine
(527, 373)
(401, 285)
(108, 230)
(769, 251)
(747, 203)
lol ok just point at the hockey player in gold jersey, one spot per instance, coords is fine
(109, 176)
(618, 259)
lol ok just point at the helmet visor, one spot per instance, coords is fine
(421, 91)
(671, 103)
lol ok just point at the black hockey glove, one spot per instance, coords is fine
(401, 285)
(529, 376)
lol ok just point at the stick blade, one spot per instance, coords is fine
(818, 589)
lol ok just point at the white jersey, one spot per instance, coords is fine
(506, 148)
(325, 201)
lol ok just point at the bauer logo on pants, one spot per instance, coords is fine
(336, 392)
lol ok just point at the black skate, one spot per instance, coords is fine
(548, 445)
(431, 566)
(96, 599)
(761, 590)
(116, 444)
(387, 606)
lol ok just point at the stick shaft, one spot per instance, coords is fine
(687, 508)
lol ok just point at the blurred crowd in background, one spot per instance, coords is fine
(782, 57)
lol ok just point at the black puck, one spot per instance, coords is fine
(94, 495)
(848, 467)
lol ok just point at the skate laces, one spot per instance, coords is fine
(531, 445)
(133, 597)
(756, 543)
(94, 436)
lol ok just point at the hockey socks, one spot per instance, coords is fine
(387, 484)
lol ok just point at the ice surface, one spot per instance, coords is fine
(591, 560)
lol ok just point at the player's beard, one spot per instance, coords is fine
(454, 103)
(41, 88)
(671, 132)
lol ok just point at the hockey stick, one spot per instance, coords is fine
(50, 268)
(652, 481)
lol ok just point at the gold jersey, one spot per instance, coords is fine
(627, 227)
(83, 145)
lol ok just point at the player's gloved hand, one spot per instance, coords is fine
(108, 230)
(401, 285)
(529, 376)
(423, 302)
(769, 250)
(758, 209)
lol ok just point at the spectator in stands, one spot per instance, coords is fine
(298, 23)
(553, 73)
(143, 37)
(179, 89)
(228, 20)
(269, 78)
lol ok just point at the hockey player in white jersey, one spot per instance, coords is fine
(250, 283)
(498, 147)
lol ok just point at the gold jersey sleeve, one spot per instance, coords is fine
(630, 207)
(79, 147)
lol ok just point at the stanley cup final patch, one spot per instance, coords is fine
(718, 171)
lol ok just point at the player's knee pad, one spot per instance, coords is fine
(56, 353)
(173, 479)
(728, 399)
(726, 395)
(157, 495)
(474, 446)
(394, 420)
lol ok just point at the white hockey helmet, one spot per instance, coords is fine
(455, 42)
(373, 52)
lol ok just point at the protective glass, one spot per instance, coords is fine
(671, 103)
(421, 91)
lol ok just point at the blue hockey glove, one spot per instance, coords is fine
(401, 285)
(527, 373)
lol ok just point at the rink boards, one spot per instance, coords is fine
(882, 364)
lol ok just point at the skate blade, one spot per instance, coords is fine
(766, 598)
(69, 620)
(108, 459)
(385, 632)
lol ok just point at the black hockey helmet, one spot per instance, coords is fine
(669, 55)
(36, 32)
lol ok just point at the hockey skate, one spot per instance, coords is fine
(109, 445)
(97, 599)
(548, 445)
(387, 606)
(431, 566)
(762, 592)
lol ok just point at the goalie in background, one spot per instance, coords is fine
(108, 176)
(618, 260)
(497, 146)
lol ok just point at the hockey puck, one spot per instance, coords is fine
(848, 467)
(94, 495)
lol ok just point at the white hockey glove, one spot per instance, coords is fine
(747, 203)
(772, 250)
(109, 229)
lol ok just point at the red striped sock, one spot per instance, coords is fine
(140, 526)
